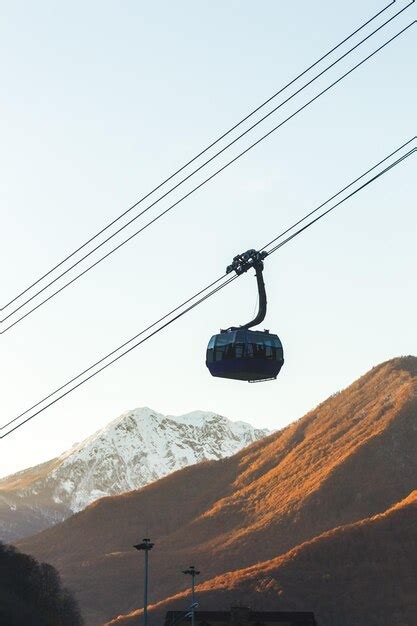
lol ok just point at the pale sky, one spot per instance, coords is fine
(99, 102)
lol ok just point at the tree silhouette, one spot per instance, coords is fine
(31, 593)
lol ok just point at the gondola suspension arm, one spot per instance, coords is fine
(241, 264)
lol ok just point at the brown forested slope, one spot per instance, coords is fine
(350, 458)
(362, 574)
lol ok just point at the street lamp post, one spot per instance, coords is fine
(191, 571)
(146, 545)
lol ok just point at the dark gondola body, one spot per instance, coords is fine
(243, 354)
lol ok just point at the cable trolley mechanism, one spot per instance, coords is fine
(240, 353)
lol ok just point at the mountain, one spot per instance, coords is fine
(350, 459)
(335, 574)
(135, 449)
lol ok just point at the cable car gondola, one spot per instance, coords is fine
(240, 353)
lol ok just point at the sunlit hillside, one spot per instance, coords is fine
(351, 458)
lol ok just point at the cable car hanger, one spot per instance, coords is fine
(241, 264)
(238, 352)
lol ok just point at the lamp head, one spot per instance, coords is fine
(146, 544)
(192, 571)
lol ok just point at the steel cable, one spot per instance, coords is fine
(216, 141)
(193, 190)
(202, 299)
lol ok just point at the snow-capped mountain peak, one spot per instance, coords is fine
(134, 449)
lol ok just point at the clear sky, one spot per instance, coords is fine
(99, 101)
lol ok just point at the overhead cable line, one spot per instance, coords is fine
(88, 369)
(189, 308)
(373, 179)
(190, 175)
(371, 169)
(203, 151)
(214, 287)
(193, 190)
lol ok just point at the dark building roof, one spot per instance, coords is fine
(243, 616)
